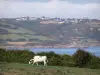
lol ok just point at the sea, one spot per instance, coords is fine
(69, 51)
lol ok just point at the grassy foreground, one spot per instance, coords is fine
(26, 69)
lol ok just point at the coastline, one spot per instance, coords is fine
(45, 47)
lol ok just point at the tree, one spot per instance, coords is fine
(81, 58)
(2, 55)
(94, 63)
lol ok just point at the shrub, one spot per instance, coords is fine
(21, 56)
(2, 55)
(94, 63)
(81, 58)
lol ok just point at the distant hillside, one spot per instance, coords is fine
(13, 31)
(35, 31)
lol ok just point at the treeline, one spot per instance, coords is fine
(80, 58)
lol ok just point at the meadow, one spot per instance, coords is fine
(26, 69)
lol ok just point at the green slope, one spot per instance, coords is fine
(15, 32)
(11, 36)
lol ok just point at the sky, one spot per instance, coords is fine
(50, 8)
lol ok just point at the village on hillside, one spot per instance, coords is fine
(56, 20)
(73, 41)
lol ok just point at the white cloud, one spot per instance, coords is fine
(53, 8)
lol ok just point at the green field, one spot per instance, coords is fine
(23, 36)
(19, 32)
(26, 69)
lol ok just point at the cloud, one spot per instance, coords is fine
(82, 1)
(53, 8)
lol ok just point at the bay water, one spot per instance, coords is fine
(70, 51)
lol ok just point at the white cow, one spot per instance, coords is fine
(37, 59)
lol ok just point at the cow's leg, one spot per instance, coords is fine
(45, 63)
(33, 63)
(37, 63)
(29, 62)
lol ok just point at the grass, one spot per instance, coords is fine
(26, 69)
(21, 30)
(6, 24)
(43, 38)
(24, 36)
(11, 36)
(20, 33)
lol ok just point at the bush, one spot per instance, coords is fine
(21, 56)
(94, 63)
(2, 55)
(81, 58)
(67, 60)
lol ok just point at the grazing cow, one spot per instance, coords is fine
(37, 59)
